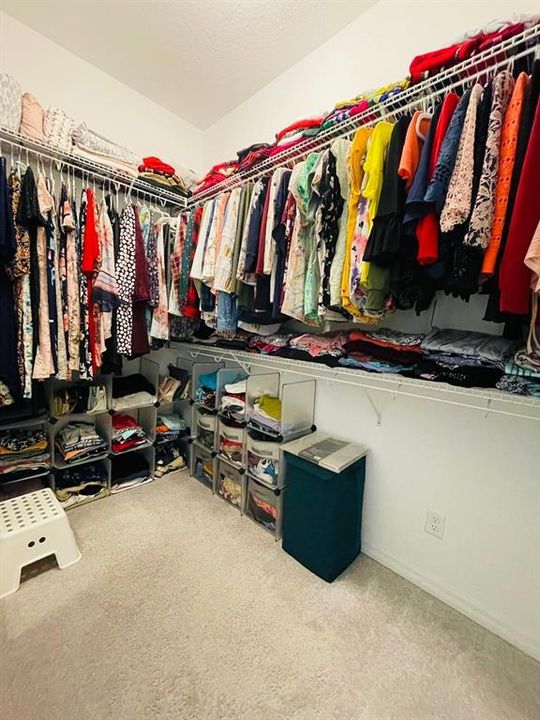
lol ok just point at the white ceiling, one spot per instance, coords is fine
(198, 58)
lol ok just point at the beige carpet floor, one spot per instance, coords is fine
(180, 609)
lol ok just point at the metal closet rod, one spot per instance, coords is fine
(335, 375)
(82, 171)
(413, 96)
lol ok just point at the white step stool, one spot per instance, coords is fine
(32, 527)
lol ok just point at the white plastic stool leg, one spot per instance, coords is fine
(10, 579)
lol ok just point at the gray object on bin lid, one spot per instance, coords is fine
(327, 452)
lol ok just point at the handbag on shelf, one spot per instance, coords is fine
(97, 399)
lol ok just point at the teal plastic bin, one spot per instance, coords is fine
(322, 515)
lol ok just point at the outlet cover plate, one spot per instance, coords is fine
(435, 524)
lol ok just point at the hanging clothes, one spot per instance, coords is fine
(357, 157)
(9, 366)
(509, 139)
(412, 148)
(89, 266)
(19, 272)
(223, 278)
(479, 231)
(159, 328)
(141, 296)
(340, 149)
(515, 276)
(68, 224)
(457, 204)
(126, 280)
(44, 361)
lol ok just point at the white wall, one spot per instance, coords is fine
(373, 50)
(481, 472)
(58, 77)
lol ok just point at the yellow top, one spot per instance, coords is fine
(357, 157)
(374, 171)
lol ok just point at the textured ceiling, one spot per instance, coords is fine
(198, 58)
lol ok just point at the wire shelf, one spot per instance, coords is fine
(83, 166)
(488, 401)
(475, 67)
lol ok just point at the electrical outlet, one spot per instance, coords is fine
(435, 524)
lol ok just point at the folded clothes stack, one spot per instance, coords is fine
(265, 415)
(132, 391)
(169, 428)
(161, 175)
(131, 470)
(382, 350)
(78, 441)
(463, 358)
(75, 486)
(24, 454)
(326, 349)
(168, 459)
(206, 392)
(127, 433)
(174, 386)
(233, 402)
(216, 174)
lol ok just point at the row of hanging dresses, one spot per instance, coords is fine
(80, 284)
(435, 201)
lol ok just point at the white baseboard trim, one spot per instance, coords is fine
(493, 624)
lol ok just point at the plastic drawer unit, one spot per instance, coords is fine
(265, 506)
(231, 443)
(230, 484)
(263, 461)
(322, 514)
(203, 464)
(206, 429)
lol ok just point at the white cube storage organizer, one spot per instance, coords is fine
(206, 424)
(231, 444)
(263, 461)
(32, 527)
(230, 484)
(265, 506)
(203, 465)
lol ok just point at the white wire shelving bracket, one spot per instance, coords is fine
(24, 146)
(486, 401)
(478, 66)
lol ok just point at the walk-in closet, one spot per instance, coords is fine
(270, 360)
